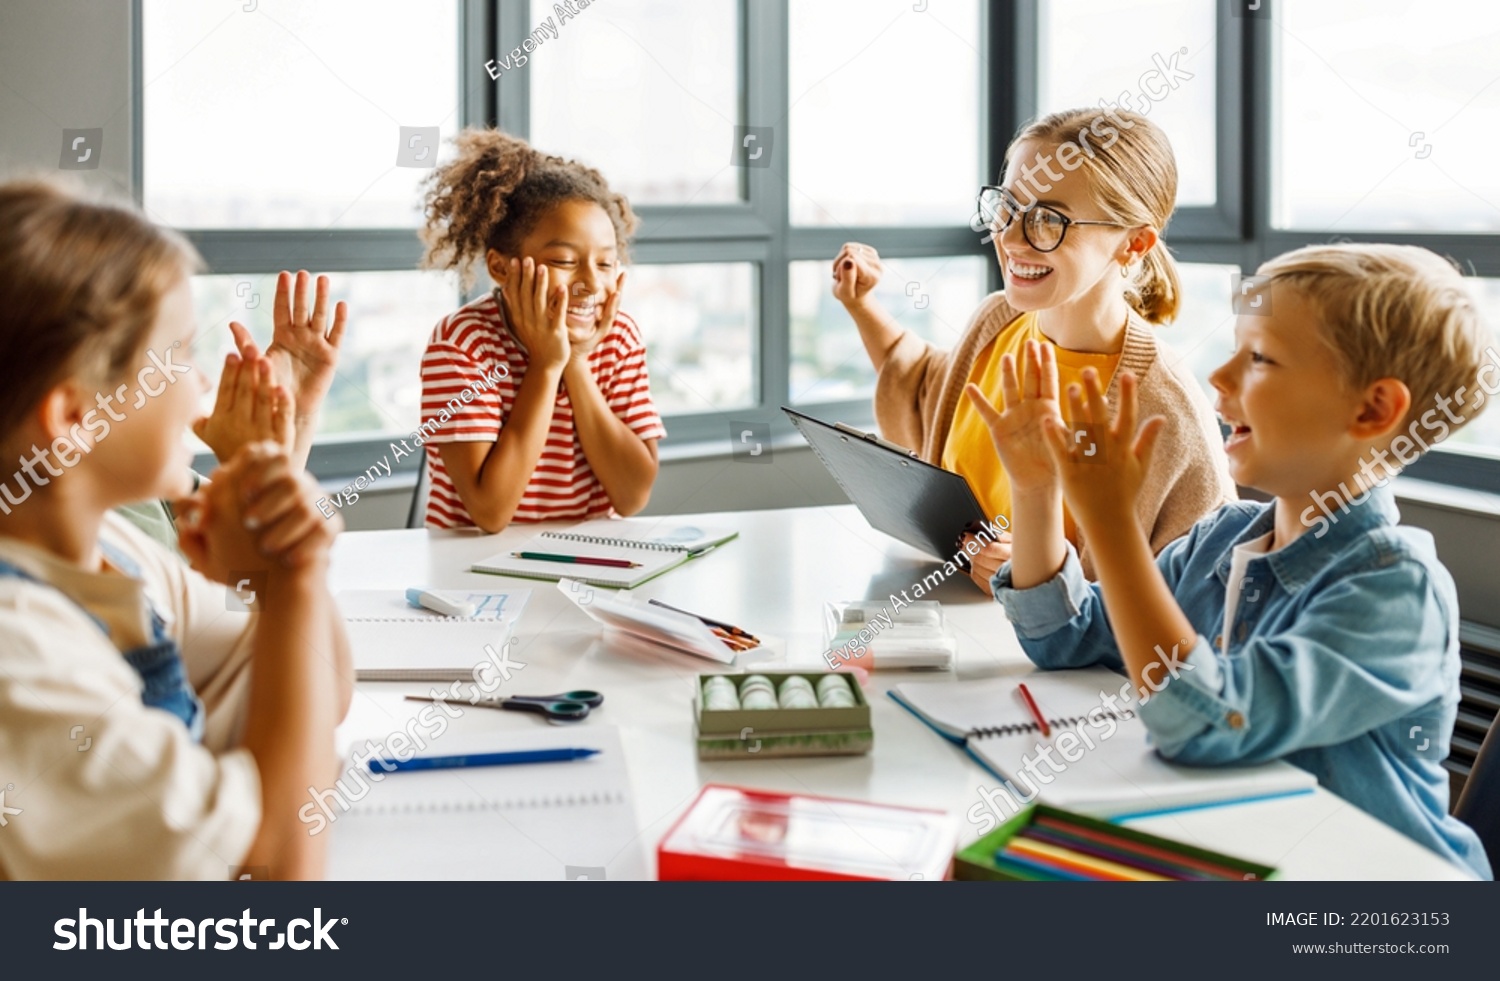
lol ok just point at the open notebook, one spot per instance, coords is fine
(536, 821)
(391, 640)
(1120, 776)
(655, 545)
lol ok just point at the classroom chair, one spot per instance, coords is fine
(416, 515)
(1479, 804)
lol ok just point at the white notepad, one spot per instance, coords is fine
(1120, 776)
(535, 821)
(656, 546)
(391, 640)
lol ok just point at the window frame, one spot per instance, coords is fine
(1235, 230)
(270, 250)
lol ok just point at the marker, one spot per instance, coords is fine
(429, 600)
(577, 559)
(1036, 713)
(481, 759)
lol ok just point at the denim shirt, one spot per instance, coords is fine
(1342, 659)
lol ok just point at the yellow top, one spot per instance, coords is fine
(969, 450)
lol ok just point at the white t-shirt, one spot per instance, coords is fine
(104, 786)
(1238, 560)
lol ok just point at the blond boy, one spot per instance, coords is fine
(1331, 643)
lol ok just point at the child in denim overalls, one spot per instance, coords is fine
(136, 741)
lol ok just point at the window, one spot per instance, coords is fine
(1384, 117)
(1292, 122)
(1482, 433)
(646, 90)
(702, 322)
(933, 298)
(378, 388)
(868, 146)
(293, 135)
(289, 115)
(728, 282)
(1095, 52)
(1202, 336)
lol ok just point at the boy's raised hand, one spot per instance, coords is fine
(1102, 463)
(538, 313)
(1020, 432)
(856, 270)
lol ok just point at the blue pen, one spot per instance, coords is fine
(481, 759)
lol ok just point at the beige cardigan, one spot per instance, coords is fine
(918, 389)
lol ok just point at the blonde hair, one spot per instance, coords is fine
(1390, 311)
(80, 285)
(491, 195)
(1133, 179)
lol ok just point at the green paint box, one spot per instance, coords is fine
(779, 732)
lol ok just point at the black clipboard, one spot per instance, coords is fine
(925, 506)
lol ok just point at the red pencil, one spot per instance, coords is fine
(1036, 713)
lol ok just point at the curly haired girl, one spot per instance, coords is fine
(536, 405)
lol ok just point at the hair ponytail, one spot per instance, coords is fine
(493, 192)
(1132, 176)
(1156, 291)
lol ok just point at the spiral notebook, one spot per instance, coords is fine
(557, 821)
(1118, 776)
(654, 545)
(391, 640)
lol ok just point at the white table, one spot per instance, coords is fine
(774, 579)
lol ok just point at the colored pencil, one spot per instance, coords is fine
(1042, 869)
(1120, 855)
(1080, 862)
(577, 559)
(1036, 713)
(1190, 861)
(740, 632)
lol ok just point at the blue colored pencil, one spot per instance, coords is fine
(481, 759)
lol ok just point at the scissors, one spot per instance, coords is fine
(570, 706)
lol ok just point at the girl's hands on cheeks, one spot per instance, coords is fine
(256, 514)
(1102, 464)
(1020, 433)
(538, 313)
(582, 347)
(856, 270)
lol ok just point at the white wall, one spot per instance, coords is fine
(65, 64)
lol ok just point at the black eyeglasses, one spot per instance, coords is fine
(1042, 227)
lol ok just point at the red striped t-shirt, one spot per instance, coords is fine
(472, 352)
